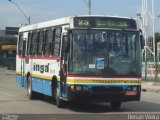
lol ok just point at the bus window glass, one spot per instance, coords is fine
(52, 42)
(41, 38)
(45, 48)
(58, 32)
(20, 44)
(37, 42)
(123, 53)
(47, 42)
(29, 43)
(102, 52)
(33, 43)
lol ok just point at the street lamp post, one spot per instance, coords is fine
(153, 20)
(18, 7)
(89, 5)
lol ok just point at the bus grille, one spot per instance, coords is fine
(107, 89)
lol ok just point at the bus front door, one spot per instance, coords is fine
(63, 70)
(63, 81)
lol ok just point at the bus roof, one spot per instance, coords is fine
(62, 21)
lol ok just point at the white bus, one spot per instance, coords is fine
(81, 58)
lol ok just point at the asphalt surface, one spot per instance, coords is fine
(14, 101)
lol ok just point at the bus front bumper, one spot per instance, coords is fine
(106, 96)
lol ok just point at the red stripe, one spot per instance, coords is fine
(126, 76)
(40, 57)
(98, 76)
(19, 56)
(88, 76)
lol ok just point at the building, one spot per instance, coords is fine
(7, 50)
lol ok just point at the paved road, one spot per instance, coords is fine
(13, 99)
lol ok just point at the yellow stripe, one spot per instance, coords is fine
(41, 76)
(37, 76)
(18, 73)
(89, 81)
(104, 81)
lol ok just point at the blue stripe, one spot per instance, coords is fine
(93, 85)
(38, 85)
(21, 80)
(42, 86)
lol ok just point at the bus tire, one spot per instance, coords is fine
(54, 87)
(59, 102)
(30, 93)
(116, 104)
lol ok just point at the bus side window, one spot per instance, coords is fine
(33, 43)
(37, 42)
(57, 44)
(20, 44)
(41, 39)
(53, 42)
(47, 42)
(50, 41)
(29, 43)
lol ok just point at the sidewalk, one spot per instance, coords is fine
(3, 70)
(151, 86)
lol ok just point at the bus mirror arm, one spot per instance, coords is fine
(142, 41)
(66, 44)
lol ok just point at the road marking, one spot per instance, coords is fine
(6, 94)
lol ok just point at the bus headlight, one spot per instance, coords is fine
(78, 88)
(132, 88)
(72, 87)
(85, 88)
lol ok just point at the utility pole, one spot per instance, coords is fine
(153, 23)
(89, 6)
(18, 7)
(149, 47)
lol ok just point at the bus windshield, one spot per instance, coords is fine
(105, 52)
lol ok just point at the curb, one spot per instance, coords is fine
(150, 90)
(151, 87)
(8, 72)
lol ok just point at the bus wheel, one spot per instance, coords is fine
(59, 102)
(30, 93)
(115, 104)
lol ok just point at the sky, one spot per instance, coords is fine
(44, 10)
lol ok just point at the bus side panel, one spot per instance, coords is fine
(37, 85)
(47, 87)
(25, 81)
(42, 86)
(42, 71)
(19, 79)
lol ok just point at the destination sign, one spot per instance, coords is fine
(83, 23)
(104, 22)
(111, 24)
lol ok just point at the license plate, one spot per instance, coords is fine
(130, 93)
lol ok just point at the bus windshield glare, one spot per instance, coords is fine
(105, 52)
